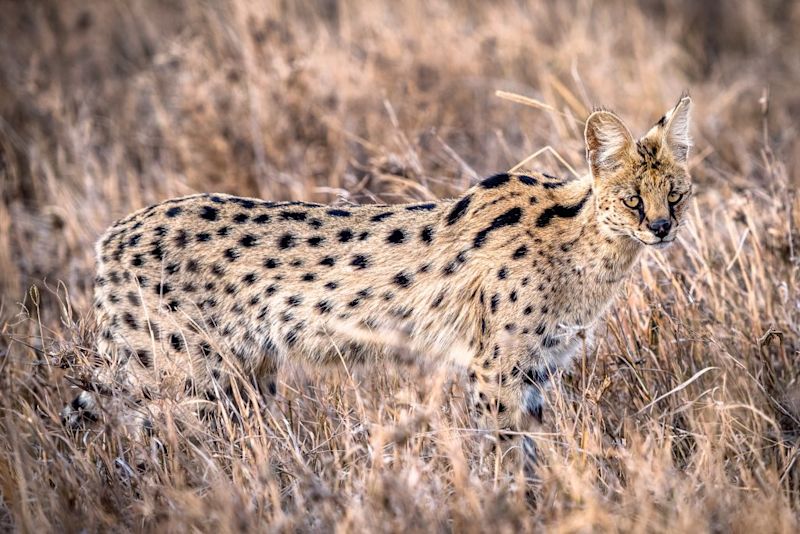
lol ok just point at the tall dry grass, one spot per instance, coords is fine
(684, 417)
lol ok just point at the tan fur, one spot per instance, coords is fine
(508, 280)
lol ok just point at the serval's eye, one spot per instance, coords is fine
(633, 201)
(674, 198)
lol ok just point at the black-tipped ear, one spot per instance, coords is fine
(608, 140)
(676, 130)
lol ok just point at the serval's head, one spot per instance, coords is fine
(641, 187)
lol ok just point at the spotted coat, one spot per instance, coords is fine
(508, 280)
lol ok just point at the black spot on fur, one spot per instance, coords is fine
(363, 235)
(396, 237)
(316, 241)
(520, 252)
(402, 279)
(549, 342)
(144, 357)
(271, 263)
(528, 180)
(509, 218)
(494, 181)
(157, 251)
(451, 267)
(360, 261)
(293, 215)
(261, 219)
(249, 278)
(558, 210)
(163, 288)
(381, 216)
(286, 241)
(459, 209)
(365, 293)
(421, 207)
(324, 306)
(205, 349)
(502, 274)
(176, 341)
(426, 234)
(248, 240)
(181, 238)
(309, 277)
(338, 213)
(494, 302)
(209, 213)
(331, 285)
(293, 334)
(241, 218)
(345, 236)
(137, 260)
(294, 300)
(173, 212)
(202, 237)
(130, 320)
(533, 376)
(244, 202)
(232, 254)
(328, 261)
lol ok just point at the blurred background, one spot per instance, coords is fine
(686, 416)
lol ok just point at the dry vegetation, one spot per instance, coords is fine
(685, 417)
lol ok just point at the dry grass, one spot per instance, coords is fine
(684, 418)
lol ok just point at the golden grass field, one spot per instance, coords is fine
(685, 416)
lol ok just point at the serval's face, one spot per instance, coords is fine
(641, 186)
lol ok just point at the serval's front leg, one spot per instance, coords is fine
(509, 396)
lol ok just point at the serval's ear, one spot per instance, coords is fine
(608, 142)
(675, 130)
